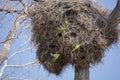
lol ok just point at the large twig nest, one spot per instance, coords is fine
(58, 28)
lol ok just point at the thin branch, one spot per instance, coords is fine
(2, 69)
(5, 41)
(23, 29)
(23, 3)
(9, 10)
(24, 65)
(15, 78)
(2, 42)
(19, 52)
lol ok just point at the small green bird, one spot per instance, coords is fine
(56, 56)
(76, 47)
(62, 30)
(66, 22)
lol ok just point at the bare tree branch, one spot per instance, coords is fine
(24, 65)
(5, 41)
(28, 26)
(114, 17)
(2, 70)
(9, 10)
(23, 3)
(19, 52)
(15, 78)
(12, 32)
(6, 45)
(15, 66)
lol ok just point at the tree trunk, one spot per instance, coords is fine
(82, 74)
(114, 17)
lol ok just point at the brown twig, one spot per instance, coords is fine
(9, 10)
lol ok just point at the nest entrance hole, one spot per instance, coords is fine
(71, 15)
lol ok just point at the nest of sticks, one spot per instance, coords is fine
(69, 33)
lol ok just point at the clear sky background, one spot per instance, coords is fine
(108, 69)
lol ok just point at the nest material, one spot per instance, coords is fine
(86, 26)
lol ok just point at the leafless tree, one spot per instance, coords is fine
(18, 10)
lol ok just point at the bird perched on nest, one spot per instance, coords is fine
(90, 29)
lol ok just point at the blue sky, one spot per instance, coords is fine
(108, 69)
(108, 4)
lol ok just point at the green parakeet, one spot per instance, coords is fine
(62, 30)
(56, 56)
(76, 47)
(66, 22)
